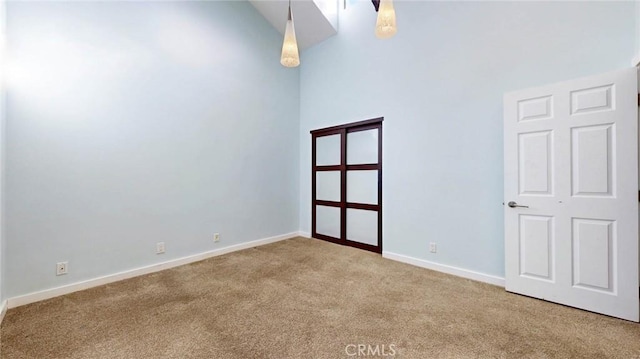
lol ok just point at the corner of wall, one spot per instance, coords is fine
(3, 10)
(329, 8)
(636, 59)
(3, 310)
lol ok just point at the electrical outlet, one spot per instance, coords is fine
(159, 247)
(216, 237)
(432, 247)
(62, 268)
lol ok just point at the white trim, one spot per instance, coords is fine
(636, 60)
(460, 272)
(3, 310)
(304, 234)
(74, 287)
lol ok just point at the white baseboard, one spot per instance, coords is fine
(3, 310)
(74, 287)
(460, 272)
(304, 234)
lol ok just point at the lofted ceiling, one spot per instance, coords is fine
(314, 20)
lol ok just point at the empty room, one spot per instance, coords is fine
(319, 179)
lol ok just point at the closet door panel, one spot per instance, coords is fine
(328, 186)
(362, 226)
(362, 147)
(362, 187)
(328, 150)
(328, 221)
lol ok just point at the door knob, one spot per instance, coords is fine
(513, 204)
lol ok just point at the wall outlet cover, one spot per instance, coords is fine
(432, 247)
(62, 268)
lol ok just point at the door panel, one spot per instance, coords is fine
(328, 221)
(593, 243)
(328, 186)
(328, 150)
(536, 247)
(594, 99)
(571, 158)
(362, 226)
(538, 108)
(362, 187)
(592, 160)
(362, 147)
(535, 163)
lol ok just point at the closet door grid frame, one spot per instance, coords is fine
(346, 203)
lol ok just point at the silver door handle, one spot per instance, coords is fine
(513, 204)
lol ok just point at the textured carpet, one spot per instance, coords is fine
(304, 298)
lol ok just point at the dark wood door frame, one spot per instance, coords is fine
(343, 167)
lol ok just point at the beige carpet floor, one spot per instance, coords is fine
(304, 298)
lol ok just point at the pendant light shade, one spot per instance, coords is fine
(290, 56)
(386, 23)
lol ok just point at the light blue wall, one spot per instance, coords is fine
(3, 6)
(439, 85)
(131, 123)
(637, 53)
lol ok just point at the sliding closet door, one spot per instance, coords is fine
(347, 184)
(328, 186)
(363, 185)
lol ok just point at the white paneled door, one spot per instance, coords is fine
(571, 193)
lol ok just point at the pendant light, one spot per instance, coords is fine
(290, 56)
(386, 23)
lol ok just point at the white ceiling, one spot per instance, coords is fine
(314, 20)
